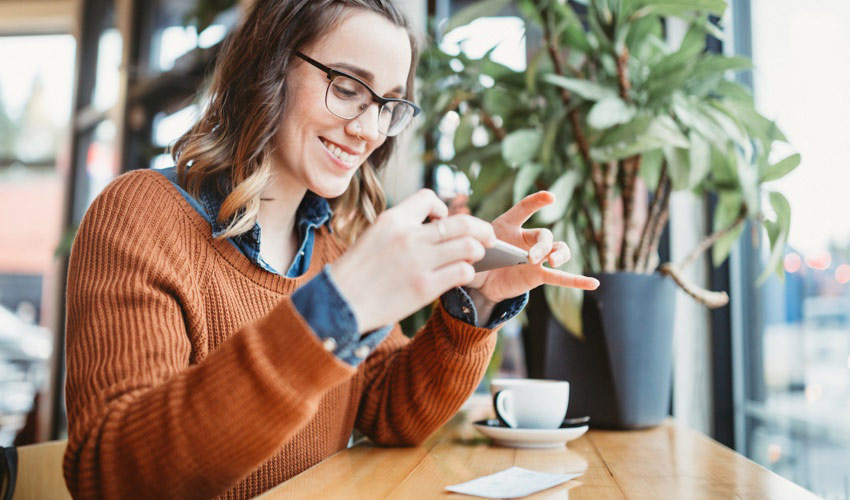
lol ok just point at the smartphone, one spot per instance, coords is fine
(501, 255)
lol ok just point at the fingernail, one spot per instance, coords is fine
(595, 283)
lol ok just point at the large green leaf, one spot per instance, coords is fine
(727, 210)
(463, 132)
(724, 168)
(521, 146)
(717, 65)
(550, 136)
(608, 112)
(689, 112)
(699, 155)
(531, 70)
(499, 101)
(778, 234)
(678, 167)
(680, 7)
(781, 169)
(748, 181)
(563, 190)
(497, 201)
(464, 159)
(564, 302)
(483, 8)
(650, 167)
(525, 178)
(627, 131)
(587, 90)
(661, 131)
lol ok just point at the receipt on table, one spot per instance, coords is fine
(515, 482)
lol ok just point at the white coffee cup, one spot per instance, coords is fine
(530, 403)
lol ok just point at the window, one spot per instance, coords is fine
(795, 413)
(35, 108)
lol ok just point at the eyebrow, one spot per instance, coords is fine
(365, 75)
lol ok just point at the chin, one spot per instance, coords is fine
(331, 191)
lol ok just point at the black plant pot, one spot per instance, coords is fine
(620, 373)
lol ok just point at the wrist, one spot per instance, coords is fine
(339, 278)
(483, 305)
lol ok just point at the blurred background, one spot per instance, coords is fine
(93, 88)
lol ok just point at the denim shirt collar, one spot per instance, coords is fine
(314, 211)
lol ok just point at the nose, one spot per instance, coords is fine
(368, 124)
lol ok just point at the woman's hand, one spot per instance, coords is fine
(500, 284)
(399, 264)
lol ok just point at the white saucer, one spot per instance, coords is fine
(528, 438)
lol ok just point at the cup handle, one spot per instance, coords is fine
(503, 400)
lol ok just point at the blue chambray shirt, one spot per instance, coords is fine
(319, 301)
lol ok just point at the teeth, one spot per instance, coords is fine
(339, 154)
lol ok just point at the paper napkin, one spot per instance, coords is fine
(515, 482)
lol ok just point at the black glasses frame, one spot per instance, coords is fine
(333, 73)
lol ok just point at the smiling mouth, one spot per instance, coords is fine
(344, 157)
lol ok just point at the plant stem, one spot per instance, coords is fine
(630, 169)
(712, 239)
(583, 146)
(659, 225)
(706, 297)
(572, 114)
(591, 234)
(643, 246)
(607, 250)
(488, 121)
(631, 231)
(623, 74)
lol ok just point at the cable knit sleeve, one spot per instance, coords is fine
(415, 386)
(145, 419)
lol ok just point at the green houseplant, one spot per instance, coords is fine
(612, 118)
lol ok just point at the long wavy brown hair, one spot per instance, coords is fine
(233, 140)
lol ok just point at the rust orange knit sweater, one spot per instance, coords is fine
(191, 375)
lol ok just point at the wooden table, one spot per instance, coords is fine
(667, 462)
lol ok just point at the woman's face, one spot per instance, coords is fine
(316, 149)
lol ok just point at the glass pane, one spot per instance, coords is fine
(107, 74)
(96, 153)
(798, 403)
(35, 98)
(36, 83)
(168, 128)
(175, 32)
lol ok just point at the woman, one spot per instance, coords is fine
(224, 333)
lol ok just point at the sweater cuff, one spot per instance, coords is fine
(330, 317)
(463, 338)
(459, 304)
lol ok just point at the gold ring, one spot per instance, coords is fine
(357, 130)
(441, 229)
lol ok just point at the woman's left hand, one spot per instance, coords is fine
(499, 284)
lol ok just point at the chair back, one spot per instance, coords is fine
(39, 472)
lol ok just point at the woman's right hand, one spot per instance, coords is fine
(399, 264)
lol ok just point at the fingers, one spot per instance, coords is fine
(559, 255)
(454, 274)
(458, 226)
(560, 278)
(540, 242)
(465, 248)
(423, 204)
(522, 211)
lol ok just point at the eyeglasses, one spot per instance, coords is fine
(349, 97)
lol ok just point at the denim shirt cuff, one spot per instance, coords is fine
(458, 303)
(327, 312)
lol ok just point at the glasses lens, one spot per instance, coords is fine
(347, 98)
(398, 116)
